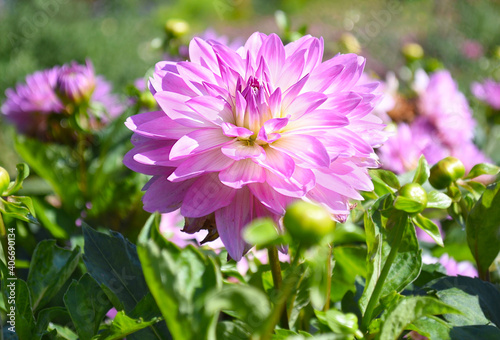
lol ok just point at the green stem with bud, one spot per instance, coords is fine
(274, 263)
(375, 297)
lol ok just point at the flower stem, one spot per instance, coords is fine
(274, 262)
(375, 297)
(287, 287)
(328, 277)
(3, 237)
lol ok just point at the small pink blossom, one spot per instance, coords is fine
(241, 134)
(488, 91)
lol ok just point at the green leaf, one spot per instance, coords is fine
(408, 310)
(47, 315)
(483, 169)
(429, 227)
(232, 330)
(24, 320)
(438, 200)
(55, 220)
(483, 229)
(50, 267)
(122, 325)
(350, 262)
(381, 223)
(112, 261)
(87, 305)
(422, 172)
(23, 171)
(247, 303)
(386, 177)
(431, 327)
(17, 210)
(261, 232)
(338, 322)
(180, 281)
(477, 300)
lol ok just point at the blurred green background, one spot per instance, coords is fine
(123, 38)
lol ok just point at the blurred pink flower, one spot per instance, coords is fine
(488, 91)
(444, 127)
(472, 49)
(453, 268)
(446, 108)
(52, 93)
(75, 83)
(244, 133)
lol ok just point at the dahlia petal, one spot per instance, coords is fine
(242, 172)
(232, 130)
(198, 141)
(273, 52)
(270, 198)
(278, 162)
(317, 120)
(136, 166)
(164, 196)
(195, 73)
(230, 58)
(275, 103)
(213, 109)
(334, 202)
(173, 82)
(157, 126)
(206, 195)
(232, 219)
(335, 183)
(305, 149)
(239, 150)
(301, 181)
(210, 161)
(155, 153)
(293, 91)
(292, 70)
(304, 104)
(200, 52)
(174, 105)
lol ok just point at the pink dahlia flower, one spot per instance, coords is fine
(489, 92)
(446, 107)
(49, 94)
(75, 83)
(29, 105)
(243, 133)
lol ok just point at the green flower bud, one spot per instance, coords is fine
(308, 223)
(412, 51)
(176, 27)
(412, 198)
(4, 180)
(147, 100)
(445, 172)
(349, 44)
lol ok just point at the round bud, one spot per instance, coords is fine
(415, 198)
(4, 180)
(413, 51)
(445, 172)
(349, 43)
(308, 223)
(176, 27)
(147, 100)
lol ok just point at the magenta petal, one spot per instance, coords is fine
(232, 219)
(304, 104)
(232, 130)
(198, 141)
(270, 198)
(241, 173)
(157, 126)
(273, 52)
(210, 161)
(201, 52)
(239, 150)
(335, 183)
(206, 195)
(164, 196)
(303, 148)
(278, 162)
(213, 109)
